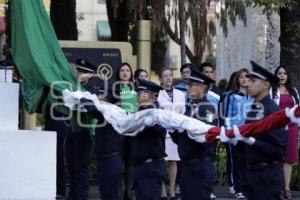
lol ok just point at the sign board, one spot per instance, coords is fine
(105, 59)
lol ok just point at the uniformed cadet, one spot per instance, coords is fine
(84, 66)
(197, 167)
(78, 145)
(148, 148)
(75, 146)
(107, 146)
(78, 157)
(263, 153)
(85, 73)
(213, 96)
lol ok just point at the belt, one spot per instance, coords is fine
(108, 155)
(261, 165)
(149, 160)
(195, 160)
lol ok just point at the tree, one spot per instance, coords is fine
(123, 16)
(201, 30)
(289, 11)
(182, 27)
(271, 59)
(290, 40)
(63, 18)
(118, 13)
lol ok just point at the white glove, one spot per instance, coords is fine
(239, 137)
(290, 113)
(148, 121)
(197, 138)
(223, 137)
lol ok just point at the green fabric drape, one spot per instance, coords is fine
(37, 53)
(39, 58)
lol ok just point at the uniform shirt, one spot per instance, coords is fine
(107, 138)
(214, 99)
(270, 146)
(188, 149)
(181, 86)
(235, 105)
(128, 99)
(150, 143)
(213, 96)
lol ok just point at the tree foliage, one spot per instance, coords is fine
(271, 5)
(166, 16)
(289, 11)
(200, 27)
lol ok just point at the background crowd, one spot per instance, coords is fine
(118, 157)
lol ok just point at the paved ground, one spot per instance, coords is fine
(220, 192)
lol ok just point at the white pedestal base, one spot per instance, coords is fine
(27, 165)
(9, 106)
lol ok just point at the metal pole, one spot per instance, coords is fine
(29, 121)
(144, 45)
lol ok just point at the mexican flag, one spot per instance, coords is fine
(39, 59)
(37, 54)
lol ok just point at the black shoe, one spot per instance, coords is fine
(287, 194)
(59, 197)
(163, 198)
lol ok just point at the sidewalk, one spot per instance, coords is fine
(220, 192)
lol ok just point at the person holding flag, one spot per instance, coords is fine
(263, 153)
(197, 173)
(148, 148)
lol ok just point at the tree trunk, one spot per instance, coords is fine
(63, 17)
(182, 31)
(173, 36)
(118, 18)
(290, 42)
(271, 59)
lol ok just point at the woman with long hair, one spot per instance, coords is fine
(285, 95)
(235, 106)
(127, 99)
(174, 100)
(141, 74)
(124, 88)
